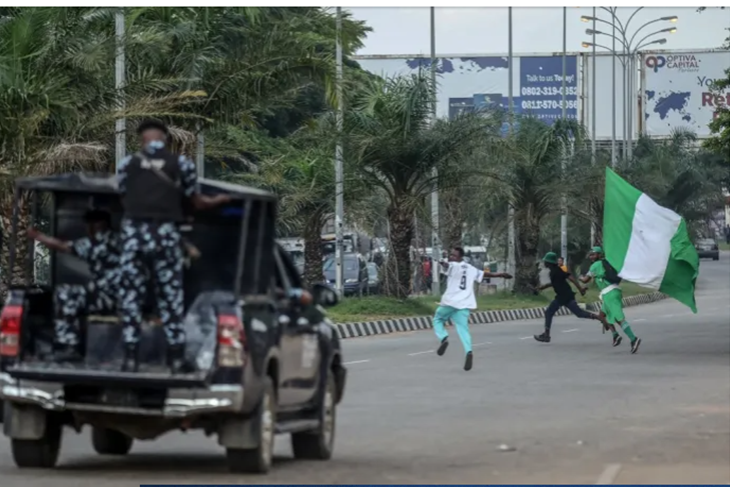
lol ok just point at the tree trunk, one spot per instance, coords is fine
(17, 274)
(398, 266)
(313, 250)
(527, 272)
(453, 219)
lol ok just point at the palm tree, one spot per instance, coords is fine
(396, 147)
(530, 172)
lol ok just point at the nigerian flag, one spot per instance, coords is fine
(647, 244)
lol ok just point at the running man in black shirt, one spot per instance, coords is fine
(564, 296)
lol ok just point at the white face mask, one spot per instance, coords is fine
(154, 145)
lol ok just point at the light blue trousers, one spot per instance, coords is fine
(460, 317)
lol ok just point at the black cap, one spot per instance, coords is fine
(152, 123)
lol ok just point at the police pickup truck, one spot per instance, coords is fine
(260, 360)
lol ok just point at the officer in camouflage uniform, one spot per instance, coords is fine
(154, 185)
(100, 250)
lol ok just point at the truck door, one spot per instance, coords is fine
(300, 349)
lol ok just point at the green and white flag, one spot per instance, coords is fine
(648, 244)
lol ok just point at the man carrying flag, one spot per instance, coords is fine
(612, 306)
(647, 244)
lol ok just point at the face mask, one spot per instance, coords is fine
(154, 145)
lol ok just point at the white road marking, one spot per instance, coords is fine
(356, 362)
(420, 353)
(639, 319)
(480, 344)
(609, 474)
(525, 338)
(571, 330)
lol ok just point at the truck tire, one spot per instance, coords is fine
(110, 442)
(258, 460)
(40, 453)
(319, 444)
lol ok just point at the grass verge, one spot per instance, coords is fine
(724, 246)
(382, 308)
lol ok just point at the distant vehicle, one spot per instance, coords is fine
(354, 272)
(373, 278)
(707, 248)
(259, 360)
(352, 243)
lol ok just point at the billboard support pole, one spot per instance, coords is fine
(564, 216)
(435, 244)
(511, 263)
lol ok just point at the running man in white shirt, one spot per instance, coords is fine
(458, 300)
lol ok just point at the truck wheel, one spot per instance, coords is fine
(319, 444)
(259, 459)
(40, 453)
(110, 442)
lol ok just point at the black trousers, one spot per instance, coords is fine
(572, 305)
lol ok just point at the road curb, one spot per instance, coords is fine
(384, 327)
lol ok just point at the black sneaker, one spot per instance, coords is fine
(544, 338)
(635, 345)
(442, 348)
(617, 340)
(468, 361)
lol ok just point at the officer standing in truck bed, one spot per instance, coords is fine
(154, 184)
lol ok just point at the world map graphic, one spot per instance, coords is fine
(667, 102)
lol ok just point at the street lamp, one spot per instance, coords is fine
(630, 48)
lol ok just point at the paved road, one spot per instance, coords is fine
(574, 411)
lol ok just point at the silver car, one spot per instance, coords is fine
(707, 249)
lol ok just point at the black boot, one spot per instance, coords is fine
(67, 353)
(176, 359)
(130, 362)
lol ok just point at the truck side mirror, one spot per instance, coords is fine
(324, 295)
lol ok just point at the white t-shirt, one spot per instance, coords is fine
(460, 280)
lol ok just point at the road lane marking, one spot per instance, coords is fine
(525, 338)
(571, 330)
(356, 362)
(609, 474)
(480, 344)
(639, 319)
(420, 353)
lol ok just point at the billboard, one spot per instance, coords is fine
(466, 83)
(604, 96)
(678, 90)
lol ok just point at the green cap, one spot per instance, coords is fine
(551, 258)
(597, 250)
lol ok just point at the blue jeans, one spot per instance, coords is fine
(460, 317)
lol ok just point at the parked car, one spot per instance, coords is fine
(260, 359)
(707, 248)
(354, 272)
(373, 278)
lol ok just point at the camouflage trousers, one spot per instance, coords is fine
(151, 256)
(73, 302)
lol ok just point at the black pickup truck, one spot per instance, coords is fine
(261, 361)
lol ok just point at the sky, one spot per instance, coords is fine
(400, 30)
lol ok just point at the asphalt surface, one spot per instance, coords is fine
(572, 411)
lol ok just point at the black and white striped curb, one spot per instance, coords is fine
(381, 327)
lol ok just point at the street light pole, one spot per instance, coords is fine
(119, 81)
(564, 216)
(511, 263)
(435, 243)
(593, 117)
(613, 89)
(339, 173)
